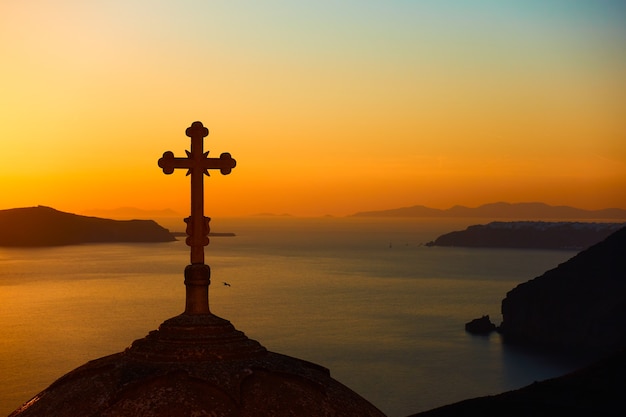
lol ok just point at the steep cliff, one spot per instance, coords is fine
(45, 226)
(580, 305)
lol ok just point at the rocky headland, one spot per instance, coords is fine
(45, 226)
(579, 305)
(529, 235)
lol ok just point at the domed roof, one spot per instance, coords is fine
(197, 365)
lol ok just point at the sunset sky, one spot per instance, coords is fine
(329, 107)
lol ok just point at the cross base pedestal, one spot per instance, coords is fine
(197, 280)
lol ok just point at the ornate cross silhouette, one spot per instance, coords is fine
(197, 164)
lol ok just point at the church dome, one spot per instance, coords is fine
(197, 365)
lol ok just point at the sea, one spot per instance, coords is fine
(362, 297)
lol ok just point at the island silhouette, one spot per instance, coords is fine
(45, 226)
(529, 235)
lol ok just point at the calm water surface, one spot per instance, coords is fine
(364, 298)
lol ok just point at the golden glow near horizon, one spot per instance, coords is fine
(328, 109)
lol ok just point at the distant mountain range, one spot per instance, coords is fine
(521, 211)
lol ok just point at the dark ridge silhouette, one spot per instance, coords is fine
(528, 211)
(578, 306)
(45, 226)
(530, 235)
(597, 390)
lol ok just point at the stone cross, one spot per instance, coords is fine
(197, 164)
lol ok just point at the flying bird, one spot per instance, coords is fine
(226, 284)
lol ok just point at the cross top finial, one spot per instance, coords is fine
(197, 163)
(197, 129)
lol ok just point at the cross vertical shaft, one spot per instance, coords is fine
(197, 163)
(197, 219)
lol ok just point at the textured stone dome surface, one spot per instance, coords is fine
(197, 365)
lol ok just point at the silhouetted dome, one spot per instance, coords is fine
(197, 365)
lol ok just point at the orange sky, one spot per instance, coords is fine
(328, 109)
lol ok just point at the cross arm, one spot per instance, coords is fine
(169, 162)
(225, 163)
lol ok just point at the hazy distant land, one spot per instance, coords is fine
(521, 211)
(501, 210)
(530, 235)
(45, 226)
